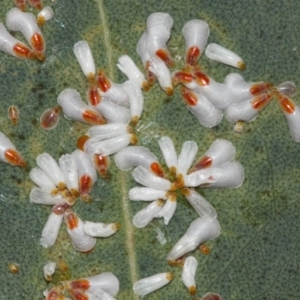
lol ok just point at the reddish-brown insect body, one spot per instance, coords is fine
(203, 163)
(71, 220)
(50, 117)
(81, 141)
(85, 185)
(101, 164)
(189, 97)
(14, 158)
(182, 77)
(150, 76)
(93, 117)
(286, 104)
(192, 56)
(103, 82)
(201, 78)
(157, 169)
(22, 51)
(165, 56)
(81, 284)
(261, 101)
(259, 88)
(13, 114)
(93, 96)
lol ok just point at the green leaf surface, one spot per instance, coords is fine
(256, 255)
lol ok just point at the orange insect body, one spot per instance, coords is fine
(71, 220)
(50, 117)
(38, 44)
(286, 104)
(81, 284)
(259, 88)
(165, 56)
(192, 55)
(13, 114)
(103, 82)
(22, 51)
(261, 101)
(201, 78)
(182, 77)
(14, 158)
(157, 170)
(81, 141)
(94, 96)
(85, 185)
(189, 97)
(101, 164)
(93, 118)
(203, 163)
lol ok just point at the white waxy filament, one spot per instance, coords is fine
(146, 194)
(141, 48)
(161, 71)
(100, 229)
(85, 59)
(107, 147)
(225, 56)
(51, 229)
(42, 196)
(195, 33)
(80, 240)
(136, 100)
(44, 15)
(106, 131)
(186, 156)
(230, 175)
(148, 179)
(200, 204)
(49, 269)
(169, 153)
(50, 167)
(188, 274)
(168, 209)
(147, 214)
(41, 179)
(129, 68)
(113, 112)
(200, 231)
(68, 167)
(150, 284)
(133, 156)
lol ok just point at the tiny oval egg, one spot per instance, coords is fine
(204, 249)
(13, 114)
(63, 266)
(50, 117)
(13, 268)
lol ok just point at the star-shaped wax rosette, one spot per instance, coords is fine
(215, 169)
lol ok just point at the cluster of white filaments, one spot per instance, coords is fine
(29, 26)
(215, 169)
(102, 286)
(113, 110)
(237, 99)
(59, 185)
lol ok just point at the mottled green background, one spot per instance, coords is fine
(256, 256)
